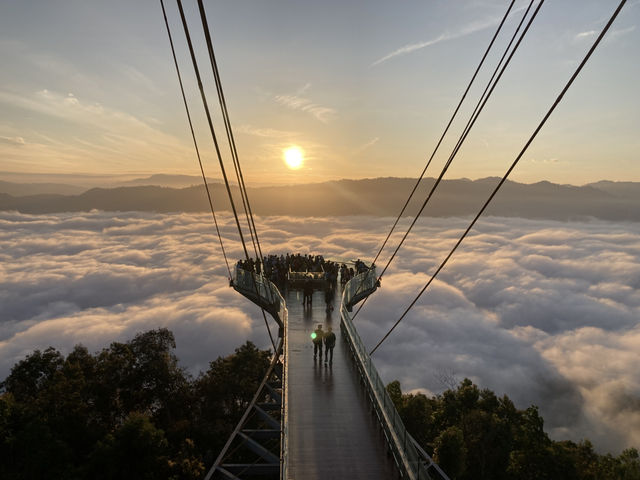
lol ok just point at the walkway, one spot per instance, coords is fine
(332, 434)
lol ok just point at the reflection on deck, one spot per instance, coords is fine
(331, 431)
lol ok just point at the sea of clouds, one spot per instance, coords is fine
(546, 312)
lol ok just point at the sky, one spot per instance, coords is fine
(545, 312)
(363, 88)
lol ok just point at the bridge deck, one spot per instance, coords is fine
(332, 434)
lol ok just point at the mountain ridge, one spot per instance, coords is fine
(382, 196)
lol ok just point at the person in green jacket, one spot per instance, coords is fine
(329, 343)
(316, 337)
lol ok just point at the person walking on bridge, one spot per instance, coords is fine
(329, 343)
(317, 336)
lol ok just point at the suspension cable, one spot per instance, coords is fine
(195, 143)
(465, 132)
(232, 144)
(210, 122)
(508, 172)
(217, 147)
(234, 153)
(444, 133)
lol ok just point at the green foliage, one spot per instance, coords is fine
(450, 452)
(228, 385)
(128, 411)
(137, 449)
(473, 434)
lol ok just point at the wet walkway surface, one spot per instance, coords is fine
(332, 433)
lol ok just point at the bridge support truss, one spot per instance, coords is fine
(257, 446)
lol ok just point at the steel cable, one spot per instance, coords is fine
(444, 133)
(217, 147)
(234, 152)
(508, 172)
(232, 144)
(465, 132)
(195, 143)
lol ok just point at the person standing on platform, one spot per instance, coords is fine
(317, 337)
(329, 343)
(328, 298)
(307, 297)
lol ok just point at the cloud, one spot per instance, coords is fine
(545, 312)
(612, 36)
(412, 48)
(619, 32)
(265, 132)
(545, 161)
(297, 102)
(585, 35)
(304, 89)
(469, 29)
(12, 140)
(105, 135)
(365, 146)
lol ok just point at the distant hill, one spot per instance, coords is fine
(378, 196)
(76, 185)
(164, 180)
(22, 189)
(629, 190)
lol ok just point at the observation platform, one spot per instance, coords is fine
(335, 420)
(331, 432)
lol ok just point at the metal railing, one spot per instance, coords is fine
(410, 461)
(284, 423)
(360, 286)
(258, 289)
(262, 292)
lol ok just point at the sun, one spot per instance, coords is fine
(293, 157)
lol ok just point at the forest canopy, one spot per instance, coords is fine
(131, 411)
(128, 411)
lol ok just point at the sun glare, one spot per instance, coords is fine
(293, 157)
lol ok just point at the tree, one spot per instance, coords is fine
(395, 392)
(450, 452)
(29, 376)
(136, 450)
(629, 468)
(127, 411)
(224, 391)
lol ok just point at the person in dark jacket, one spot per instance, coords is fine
(317, 336)
(328, 298)
(307, 297)
(329, 343)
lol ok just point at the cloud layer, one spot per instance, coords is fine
(545, 312)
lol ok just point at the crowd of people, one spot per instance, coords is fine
(277, 267)
(308, 273)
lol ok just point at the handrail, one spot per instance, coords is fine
(428, 461)
(258, 289)
(366, 283)
(408, 459)
(284, 417)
